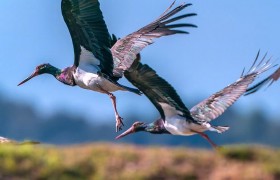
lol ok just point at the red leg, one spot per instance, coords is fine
(119, 122)
(205, 136)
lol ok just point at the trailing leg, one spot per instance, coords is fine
(119, 122)
(205, 136)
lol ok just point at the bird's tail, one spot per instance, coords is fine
(219, 129)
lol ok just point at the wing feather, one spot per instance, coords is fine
(88, 30)
(125, 50)
(216, 104)
(159, 91)
(269, 80)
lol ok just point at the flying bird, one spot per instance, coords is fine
(99, 59)
(176, 118)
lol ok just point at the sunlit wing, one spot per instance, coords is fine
(269, 80)
(160, 92)
(90, 36)
(126, 49)
(216, 104)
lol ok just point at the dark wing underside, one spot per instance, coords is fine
(85, 22)
(216, 104)
(156, 89)
(126, 49)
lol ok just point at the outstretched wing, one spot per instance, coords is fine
(125, 50)
(216, 104)
(269, 80)
(160, 92)
(90, 36)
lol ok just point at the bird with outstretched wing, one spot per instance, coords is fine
(99, 59)
(176, 119)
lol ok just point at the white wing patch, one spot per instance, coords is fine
(169, 111)
(87, 57)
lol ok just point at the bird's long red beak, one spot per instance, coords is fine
(127, 132)
(30, 77)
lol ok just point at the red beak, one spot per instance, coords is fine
(127, 132)
(30, 77)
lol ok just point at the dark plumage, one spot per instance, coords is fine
(176, 119)
(99, 59)
(267, 81)
(87, 27)
(156, 89)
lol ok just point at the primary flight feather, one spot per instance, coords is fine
(99, 61)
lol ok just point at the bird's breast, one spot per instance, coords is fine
(178, 125)
(86, 80)
(91, 80)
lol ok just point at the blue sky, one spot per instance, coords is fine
(227, 39)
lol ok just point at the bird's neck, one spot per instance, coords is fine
(65, 76)
(54, 71)
(156, 127)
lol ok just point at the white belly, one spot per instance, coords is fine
(178, 125)
(89, 79)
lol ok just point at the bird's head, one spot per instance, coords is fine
(136, 127)
(41, 69)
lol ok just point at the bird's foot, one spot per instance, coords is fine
(119, 123)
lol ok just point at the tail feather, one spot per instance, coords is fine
(219, 129)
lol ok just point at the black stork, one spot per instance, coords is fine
(100, 60)
(176, 119)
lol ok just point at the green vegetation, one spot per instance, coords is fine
(21, 121)
(110, 161)
(269, 158)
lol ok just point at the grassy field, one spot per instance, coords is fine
(110, 161)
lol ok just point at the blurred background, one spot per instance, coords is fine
(227, 39)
